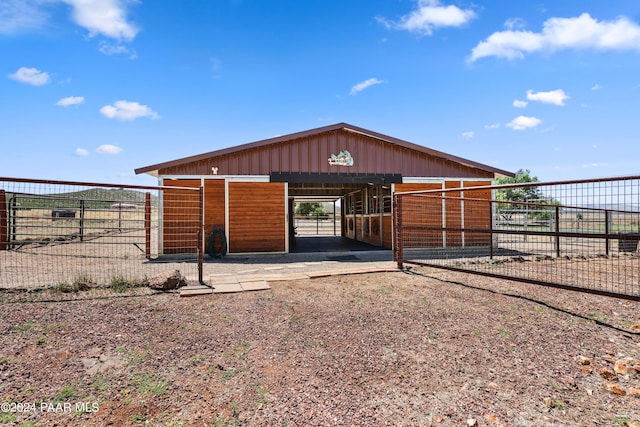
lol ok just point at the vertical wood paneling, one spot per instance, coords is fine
(256, 217)
(477, 213)
(214, 207)
(422, 211)
(453, 214)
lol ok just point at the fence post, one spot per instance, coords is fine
(147, 224)
(491, 219)
(557, 227)
(4, 236)
(82, 220)
(607, 230)
(201, 235)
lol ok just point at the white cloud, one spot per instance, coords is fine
(365, 84)
(523, 122)
(81, 152)
(70, 100)
(108, 149)
(582, 32)
(31, 76)
(118, 49)
(125, 110)
(492, 126)
(515, 24)
(469, 134)
(520, 104)
(430, 15)
(555, 97)
(19, 15)
(596, 87)
(105, 17)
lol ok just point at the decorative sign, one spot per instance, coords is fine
(343, 158)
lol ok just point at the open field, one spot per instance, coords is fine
(428, 347)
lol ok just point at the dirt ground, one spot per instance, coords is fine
(422, 348)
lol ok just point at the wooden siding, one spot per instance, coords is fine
(477, 213)
(180, 217)
(256, 217)
(387, 234)
(453, 214)
(214, 206)
(422, 211)
(310, 154)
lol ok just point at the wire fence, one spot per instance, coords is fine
(580, 235)
(74, 234)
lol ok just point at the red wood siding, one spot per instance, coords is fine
(214, 206)
(453, 214)
(256, 217)
(477, 213)
(424, 211)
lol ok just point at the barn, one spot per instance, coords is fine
(250, 189)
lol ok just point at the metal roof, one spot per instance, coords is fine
(153, 169)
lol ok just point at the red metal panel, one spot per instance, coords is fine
(310, 153)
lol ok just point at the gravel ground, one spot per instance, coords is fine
(425, 347)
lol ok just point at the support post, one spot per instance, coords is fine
(201, 236)
(82, 220)
(491, 219)
(607, 230)
(557, 231)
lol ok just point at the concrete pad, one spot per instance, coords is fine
(316, 274)
(286, 277)
(222, 280)
(298, 265)
(226, 288)
(258, 285)
(274, 268)
(251, 277)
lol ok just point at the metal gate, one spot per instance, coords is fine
(580, 235)
(59, 232)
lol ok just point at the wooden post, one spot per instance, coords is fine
(147, 225)
(4, 228)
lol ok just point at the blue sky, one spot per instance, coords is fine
(92, 89)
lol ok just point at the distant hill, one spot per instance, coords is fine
(93, 198)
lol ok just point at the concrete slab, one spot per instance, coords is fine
(222, 280)
(286, 277)
(258, 285)
(226, 288)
